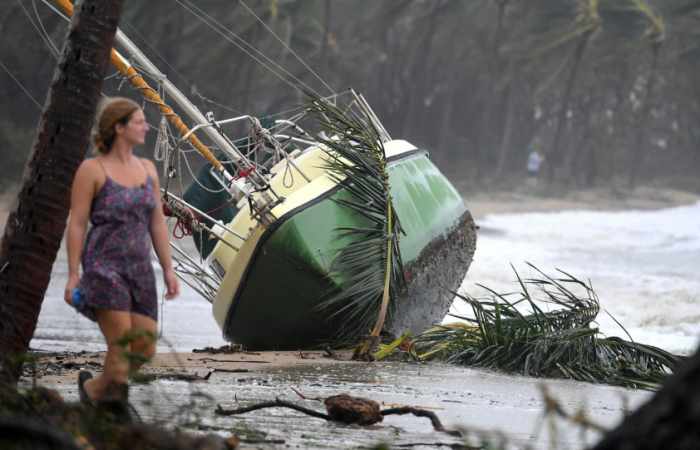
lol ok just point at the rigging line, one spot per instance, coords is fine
(177, 72)
(47, 36)
(156, 52)
(153, 49)
(196, 93)
(303, 107)
(296, 55)
(273, 66)
(194, 178)
(228, 35)
(241, 43)
(56, 10)
(36, 27)
(31, 97)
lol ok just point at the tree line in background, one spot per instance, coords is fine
(606, 90)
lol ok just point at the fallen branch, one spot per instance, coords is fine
(231, 370)
(303, 397)
(226, 349)
(250, 361)
(437, 425)
(275, 404)
(344, 409)
(149, 377)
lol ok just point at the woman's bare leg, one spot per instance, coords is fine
(144, 330)
(114, 325)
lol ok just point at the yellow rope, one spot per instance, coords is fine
(151, 95)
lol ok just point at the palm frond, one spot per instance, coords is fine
(369, 268)
(560, 343)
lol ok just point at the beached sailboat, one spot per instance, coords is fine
(307, 226)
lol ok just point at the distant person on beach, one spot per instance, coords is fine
(120, 195)
(534, 162)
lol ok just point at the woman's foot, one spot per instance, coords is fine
(115, 400)
(83, 377)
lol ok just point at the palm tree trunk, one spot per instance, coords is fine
(639, 150)
(36, 224)
(666, 421)
(562, 119)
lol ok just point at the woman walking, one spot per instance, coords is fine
(119, 193)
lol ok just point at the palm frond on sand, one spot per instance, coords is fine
(563, 342)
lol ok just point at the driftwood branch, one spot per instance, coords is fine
(275, 404)
(437, 425)
(343, 409)
(303, 397)
(249, 361)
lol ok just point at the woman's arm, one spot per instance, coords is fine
(82, 193)
(159, 236)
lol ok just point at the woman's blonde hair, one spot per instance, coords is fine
(113, 111)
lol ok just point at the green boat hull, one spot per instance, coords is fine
(276, 306)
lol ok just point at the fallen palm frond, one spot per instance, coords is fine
(368, 269)
(560, 343)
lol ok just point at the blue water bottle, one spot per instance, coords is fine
(77, 298)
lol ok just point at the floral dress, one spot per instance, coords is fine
(117, 270)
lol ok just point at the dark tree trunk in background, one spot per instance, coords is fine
(497, 93)
(326, 37)
(36, 224)
(641, 142)
(504, 146)
(555, 155)
(611, 142)
(669, 421)
(419, 73)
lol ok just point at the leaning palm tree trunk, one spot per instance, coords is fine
(36, 224)
(664, 421)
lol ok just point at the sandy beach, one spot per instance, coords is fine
(185, 389)
(460, 396)
(512, 202)
(61, 368)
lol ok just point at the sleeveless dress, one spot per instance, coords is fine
(117, 270)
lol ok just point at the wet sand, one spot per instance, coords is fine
(475, 400)
(55, 368)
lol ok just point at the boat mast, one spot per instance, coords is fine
(178, 97)
(127, 70)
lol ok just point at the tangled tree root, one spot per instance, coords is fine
(346, 409)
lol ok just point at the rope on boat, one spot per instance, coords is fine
(187, 221)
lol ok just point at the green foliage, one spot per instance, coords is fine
(470, 100)
(560, 343)
(356, 159)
